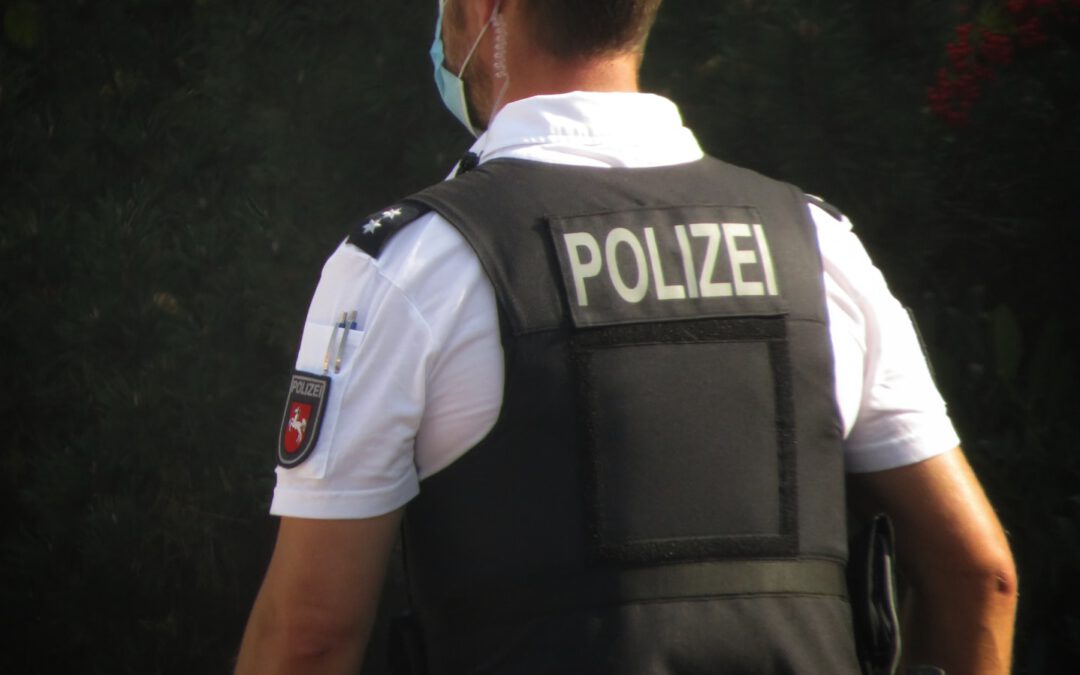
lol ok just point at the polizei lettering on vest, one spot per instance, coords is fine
(717, 260)
(306, 388)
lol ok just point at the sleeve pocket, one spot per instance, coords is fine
(320, 347)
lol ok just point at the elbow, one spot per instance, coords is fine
(301, 634)
(314, 635)
(288, 640)
(986, 577)
(995, 567)
(1006, 580)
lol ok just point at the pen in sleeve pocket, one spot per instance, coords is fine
(333, 336)
(351, 326)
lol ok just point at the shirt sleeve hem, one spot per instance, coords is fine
(342, 505)
(901, 452)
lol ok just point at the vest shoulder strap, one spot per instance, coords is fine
(825, 206)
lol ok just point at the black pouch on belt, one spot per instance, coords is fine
(874, 604)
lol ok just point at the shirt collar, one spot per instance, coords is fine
(603, 129)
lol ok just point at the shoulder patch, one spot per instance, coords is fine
(372, 233)
(302, 420)
(826, 207)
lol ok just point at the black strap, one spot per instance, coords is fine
(651, 584)
(468, 162)
(826, 207)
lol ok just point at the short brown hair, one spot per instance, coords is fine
(573, 29)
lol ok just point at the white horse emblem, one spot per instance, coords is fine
(297, 424)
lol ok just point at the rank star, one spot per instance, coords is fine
(372, 225)
(391, 213)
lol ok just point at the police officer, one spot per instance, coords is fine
(614, 385)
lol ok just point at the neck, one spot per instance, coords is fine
(534, 76)
(534, 72)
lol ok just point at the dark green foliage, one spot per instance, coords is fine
(998, 294)
(173, 173)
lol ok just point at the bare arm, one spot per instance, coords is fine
(317, 603)
(952, 550)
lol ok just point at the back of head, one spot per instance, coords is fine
(578, 29)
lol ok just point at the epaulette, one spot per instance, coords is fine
(826, 207)
(371, 234)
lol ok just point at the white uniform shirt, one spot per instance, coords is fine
(421, 378)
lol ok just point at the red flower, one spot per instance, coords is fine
(972, 57)
(1016, 6)
(1031, 33)
(959, 53)
(996, 48)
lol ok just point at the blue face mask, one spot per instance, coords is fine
(451, 87)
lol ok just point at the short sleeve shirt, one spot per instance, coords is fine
(421, 376)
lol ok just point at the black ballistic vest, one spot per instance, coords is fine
(662, 493)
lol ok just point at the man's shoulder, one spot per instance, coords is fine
(818, 204)
(411, 246)
(423, 271)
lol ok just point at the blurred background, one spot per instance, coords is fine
(174, 172)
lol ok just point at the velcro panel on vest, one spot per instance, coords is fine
(658, 493)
